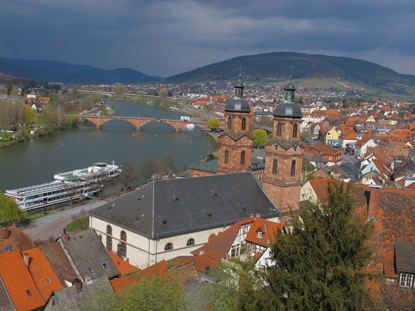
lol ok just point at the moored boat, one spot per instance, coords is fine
(66, 187)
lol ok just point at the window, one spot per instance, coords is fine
(279, 129)
(229, 123)
(243, 123)
(406, 280)
(190, 242)
(123, 245)
(259, 234)
(293, 168)
(226, 156)
(91, 270)
(168, 246)
(295, 130)
(28, 292)
(109, 238)
(242, 157)
(104, 265)
(275, 167)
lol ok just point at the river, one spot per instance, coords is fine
(37, 160)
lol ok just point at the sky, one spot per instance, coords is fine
(163, 38)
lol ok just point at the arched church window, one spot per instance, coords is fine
(279, 129)
(242, 157)
(275, 167)
(293, 168)
(109, 238)
(123, 244)
(243, 123)
(229, 123)
(295, 130)
(226, 156)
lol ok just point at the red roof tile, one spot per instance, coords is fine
(42, 273)
(18, 282)
(15, 238)
(123, 266)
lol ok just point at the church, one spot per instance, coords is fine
(169, 218)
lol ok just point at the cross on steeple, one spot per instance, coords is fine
(291, 72)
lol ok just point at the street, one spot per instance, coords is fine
(52, 225)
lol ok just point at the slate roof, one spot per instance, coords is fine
(59, 262)
(69, 299)
(171, 207)
(6, 303)
(405, 259)
(88, 255)
(209, 166)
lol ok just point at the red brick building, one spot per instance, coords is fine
(284, 155)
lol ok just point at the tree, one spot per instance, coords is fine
(147, 167)
(14, 90)
(259, 136)
(9, 210)
(320, 261)
(213, 124)
(119, 89)
(29, 115)
(155, 293)
(163, 101)
(141, 97)
(128, 174)
(167, 165)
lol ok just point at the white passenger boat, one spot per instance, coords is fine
(66, 187)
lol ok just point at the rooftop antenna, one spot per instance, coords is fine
(240, 72)
(291, 73)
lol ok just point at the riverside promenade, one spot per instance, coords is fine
(52, 225)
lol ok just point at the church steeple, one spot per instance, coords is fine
(284, 154)
(235, 144)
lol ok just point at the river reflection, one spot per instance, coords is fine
(36, 161)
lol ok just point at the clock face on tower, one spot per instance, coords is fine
(276, 146)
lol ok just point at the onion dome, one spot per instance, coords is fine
(288, 109)
(237, 103)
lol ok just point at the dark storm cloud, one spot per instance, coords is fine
(168, 37)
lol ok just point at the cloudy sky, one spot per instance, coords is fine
(170, 37)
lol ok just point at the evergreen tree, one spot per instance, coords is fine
(321, 260)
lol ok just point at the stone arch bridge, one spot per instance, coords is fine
(139, 122)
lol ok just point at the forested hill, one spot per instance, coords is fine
(276, 67)
(53, 71)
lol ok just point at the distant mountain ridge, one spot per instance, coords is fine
(55, 71)
(276, 67)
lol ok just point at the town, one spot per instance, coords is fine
(234, 211)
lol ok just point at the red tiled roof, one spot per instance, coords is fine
(123, 266)
(18, 282)
(42, 273)
(394, 210)
(269, 231)
(158, 269)
(220, 244)
(15, 238)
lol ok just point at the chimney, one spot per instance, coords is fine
(78, 285)
(51, 239)
(372, 209)
(258, 216)
(26, 259)
(64, 231)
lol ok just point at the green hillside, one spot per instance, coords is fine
(343, 72)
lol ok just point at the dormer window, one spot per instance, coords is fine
(259, 234)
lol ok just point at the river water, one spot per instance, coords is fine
(36, 161)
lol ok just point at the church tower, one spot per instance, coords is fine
(284, 155)
(235, 144)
